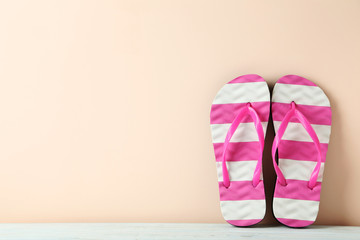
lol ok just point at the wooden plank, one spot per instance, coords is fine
(162, 231)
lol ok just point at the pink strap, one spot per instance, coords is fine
(234, 125)
(295, 112)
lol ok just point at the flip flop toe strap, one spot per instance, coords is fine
(306, 124)
(247, 110)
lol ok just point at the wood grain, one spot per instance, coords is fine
(161, 231)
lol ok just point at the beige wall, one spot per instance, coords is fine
(104, 105)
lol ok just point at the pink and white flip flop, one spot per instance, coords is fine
(302, 120)
(239, 117)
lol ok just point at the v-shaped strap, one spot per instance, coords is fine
(248, 109)
(306, 124)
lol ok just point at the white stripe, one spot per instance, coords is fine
(238, 171)
(296, 132)
(242, 93)
(245, 132)
(243, 210)
(295, 209)
(300, 94)
(299, 170)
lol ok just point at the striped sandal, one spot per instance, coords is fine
(302, 120)
(239, 117)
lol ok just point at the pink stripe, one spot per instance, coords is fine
(314, 114)
(238, 151)
(294, 79)
(297, 189)
(301, 150)
(243, 223)
(226, 113)
(241, 190)
(247, 78)
(295, 222)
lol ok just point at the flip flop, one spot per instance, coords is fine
(302, 120)
(239, 117)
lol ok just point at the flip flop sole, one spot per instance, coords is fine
(296, 205)
(241, 204)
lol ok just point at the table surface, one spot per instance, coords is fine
(160, 231)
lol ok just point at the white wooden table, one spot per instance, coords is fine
(160, 231)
